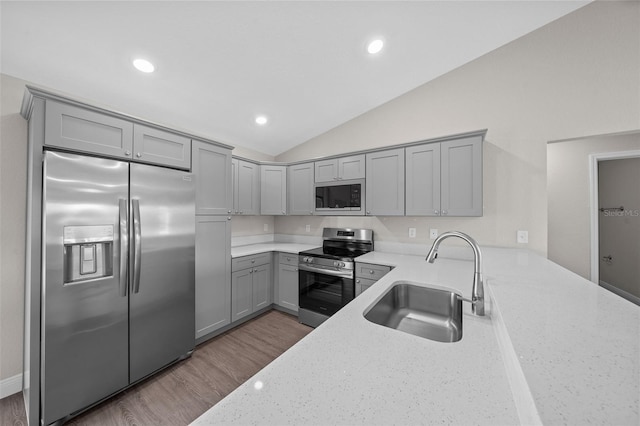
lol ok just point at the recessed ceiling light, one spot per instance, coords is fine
(261, 120)
(143, 65)
(375, 46)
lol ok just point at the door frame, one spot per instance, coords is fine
(594, 159)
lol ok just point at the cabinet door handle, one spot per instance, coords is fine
(436, 212)
(229, 212)
(357, 281)
(127, 153)
(228, 217)
(368, 212)
(138, 155)
(444, 212)
(251, 271)
(310, 212)
(283, 212)
(371, 272)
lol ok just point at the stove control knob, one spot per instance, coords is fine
(307, 260)
(342, 265)
(336, 263)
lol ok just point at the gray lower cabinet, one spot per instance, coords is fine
(273, 190)
(251, 285)
(286, 285)
(385, 183)
(212, 170)
(300, 192)
(213, 273)
(367, 274)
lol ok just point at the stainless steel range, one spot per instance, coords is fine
(326, 274)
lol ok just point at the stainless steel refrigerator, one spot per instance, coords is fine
(118, 291)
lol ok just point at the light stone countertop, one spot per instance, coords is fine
(250, 249)
(553, 349)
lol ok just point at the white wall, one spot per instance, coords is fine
(569, 214)
(13, 201)
(577, 76)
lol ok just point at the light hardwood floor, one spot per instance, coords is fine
(181, 393)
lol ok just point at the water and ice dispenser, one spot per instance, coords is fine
(88, 253)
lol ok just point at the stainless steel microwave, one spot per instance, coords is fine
(345, 197)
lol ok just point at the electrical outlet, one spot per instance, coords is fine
(433, 234)
(412, 232)
(266, 227)
(307, 228)
(523, 237)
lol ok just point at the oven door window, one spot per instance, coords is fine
(323, 293)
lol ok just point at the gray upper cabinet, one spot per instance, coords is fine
(273, 190)
(300, 192)
(343, 168)
(385, 183)
(461, 177)
(151, 145)
(422, 195)
(246, 187)
(212, 170)
(80, 129)
(444, 178)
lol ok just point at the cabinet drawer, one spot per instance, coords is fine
(244, 262)
(288, 259)
(372, 272)
(80, 129)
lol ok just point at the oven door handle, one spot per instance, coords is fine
(333, 273)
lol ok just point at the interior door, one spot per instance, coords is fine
(162, 278)
(84, 311)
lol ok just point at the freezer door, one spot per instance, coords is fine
(84, 339)
(162, 300)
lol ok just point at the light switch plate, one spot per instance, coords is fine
(266, 227)
(307, 228)
(433, 234)
(412, 232)
(523, 237)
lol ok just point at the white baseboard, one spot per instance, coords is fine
(10, 385)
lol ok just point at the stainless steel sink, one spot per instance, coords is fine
(422, 311)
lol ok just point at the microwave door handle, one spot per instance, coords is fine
(124, 245)
(137, 245)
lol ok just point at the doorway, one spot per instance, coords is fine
(616, 223)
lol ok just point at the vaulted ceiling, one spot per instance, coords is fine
(219, 64)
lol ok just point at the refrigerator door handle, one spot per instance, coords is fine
(124, 246)
(137, 249)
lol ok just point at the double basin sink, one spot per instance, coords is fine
(422, 311)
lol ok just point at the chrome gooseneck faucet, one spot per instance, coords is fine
(477, 292)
